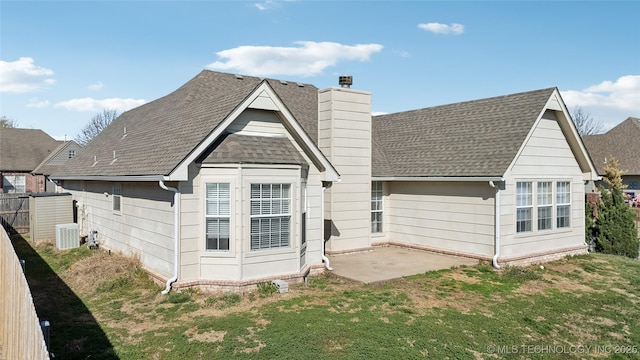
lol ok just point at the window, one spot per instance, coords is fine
(376, 207)
(633, 185)
(270, 216)
(72, 153)
(563, 204)
(545, 205)
(117, 195)
(14, 184)
(218, 212)
(552, 200)
(524, 206)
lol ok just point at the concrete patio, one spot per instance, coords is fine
(387, 263)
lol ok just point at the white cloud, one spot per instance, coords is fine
(89, 104)
(23, 75)
(609, 102)
(36, 103)
(309, 59)
(437, 28)
(97, 86)
(266, 5)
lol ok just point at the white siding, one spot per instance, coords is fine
(255, 122)
(454, 217)
(345, 138)
(143, 227)
(546, 156)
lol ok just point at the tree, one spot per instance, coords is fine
(585, 123)
(5, 122)
(98, 123)
(615, 229)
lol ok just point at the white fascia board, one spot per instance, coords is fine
(180, 173)
(119, 178)
(437, 178)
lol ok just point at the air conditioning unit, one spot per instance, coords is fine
(67, 236)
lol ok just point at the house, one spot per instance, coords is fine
(58, 157)
(231, 180)
(623, 143)
(21, 151)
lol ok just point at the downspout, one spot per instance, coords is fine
(497, 226)
(176, 238)
(327, 264)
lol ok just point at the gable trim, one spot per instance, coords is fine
(555, 103)
(261, 92)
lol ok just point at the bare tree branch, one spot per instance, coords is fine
(585, 123)
(98, 123)
(5, 122)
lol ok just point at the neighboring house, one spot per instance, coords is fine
(231, 180)
(623, 143)
(21, 151)
(65, 151)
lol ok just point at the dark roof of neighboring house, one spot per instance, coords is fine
(46, 167)
(24, 149)
(243, 149)
(473, 138)
(162, 133)
(621, 142)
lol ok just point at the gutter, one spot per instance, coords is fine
(116, 178)
(496, 248)
(176, 237)
(327, 263)
(436, 178)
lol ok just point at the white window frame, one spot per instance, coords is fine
(116, 198)
(544, 205)
(524, 207)
(218, 209)
(563, 202)
(272, 212)
(548, 198)
(377, 207)
(12, 185)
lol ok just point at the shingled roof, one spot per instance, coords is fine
(154, 138)
(621, 142)
(24, 149)
(468, 139)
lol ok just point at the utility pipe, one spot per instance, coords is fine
(327, 264)
(176, 238)
(497, 226)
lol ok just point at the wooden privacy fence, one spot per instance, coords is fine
(14, 213)
(20, 332)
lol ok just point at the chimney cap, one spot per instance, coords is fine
(345, 81)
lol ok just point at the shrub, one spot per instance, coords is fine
(614, 229)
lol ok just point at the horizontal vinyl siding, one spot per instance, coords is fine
(144, 227)
(454, 217)
(256, 121)
(546, 156)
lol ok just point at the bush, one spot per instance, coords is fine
(614, 228)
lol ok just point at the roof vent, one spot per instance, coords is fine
(345, 81)
(239, 77)
(283, 82)
(300, 84)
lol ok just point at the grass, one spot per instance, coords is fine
(575, 308)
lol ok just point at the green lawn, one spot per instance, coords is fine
(103, 306)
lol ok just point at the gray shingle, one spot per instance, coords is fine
(621, 142)
(473, 138)
(162, 133)
(243, 149)
(24, 149)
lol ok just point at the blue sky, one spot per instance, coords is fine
(63, 62)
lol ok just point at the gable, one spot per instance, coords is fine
(546, 151)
